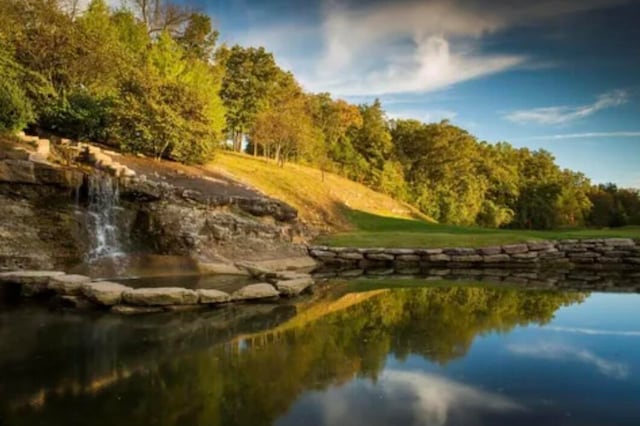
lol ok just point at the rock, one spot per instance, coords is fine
(525, 256)
(220, 269)
(68, 284)
(104, 293)
(160, 296)
(460, 251)
(290, 275)
(408, 258)
(515, 248)
(72, 302)
(439, 258)
(32, 283)
(135, 310)
(583, 255)
(323, 254)
(490, 251)
(400, 251)
(256, 271)
(619, 242)
(256, 292)
(540, 245)
(212, 296)
(294, 287)
(29, 277)
(351, 256)
(429, 251)
(496, 258)
(468, 258)
(633, 260)
(380, 256)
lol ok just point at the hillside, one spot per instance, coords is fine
(325, 204)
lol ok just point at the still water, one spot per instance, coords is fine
(354, 355)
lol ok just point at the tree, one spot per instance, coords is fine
(248, 82)
(285, 126)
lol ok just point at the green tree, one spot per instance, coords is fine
(248, 82)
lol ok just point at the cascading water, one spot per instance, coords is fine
(102, 214)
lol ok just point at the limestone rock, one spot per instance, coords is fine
(256, 292)
(68, 284)
(496, 258)
(32, 283)
(619, 242)
(104, 292)
(294, 287)
(438, 258)
(212, 296)
(255, 271)
(351, 256)
(464, 258)
(515, 248)
(379, 256)
(160, 296)
(490, 251)
(220, 268)
(408, 258)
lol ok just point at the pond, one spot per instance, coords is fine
(355, 353)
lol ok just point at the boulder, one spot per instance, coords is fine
(256, 292)
(68, 284)
(212, 296)
(104, 292)
(294, 287)
(160, 296)
(255, 271)
(490, 251)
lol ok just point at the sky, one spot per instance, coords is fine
(562, 75)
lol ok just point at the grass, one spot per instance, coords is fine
(378, 231)
(322, 203)
(351, 214)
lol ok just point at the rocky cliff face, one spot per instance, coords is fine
(44, 208)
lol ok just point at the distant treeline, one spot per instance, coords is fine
(149, 78)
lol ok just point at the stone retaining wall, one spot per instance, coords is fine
(608, 253)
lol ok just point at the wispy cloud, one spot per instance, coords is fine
(424, 115)
(423, 398)
(378, 48)
(565, 114)
(590, 135)
(595, 331)
(553, 351)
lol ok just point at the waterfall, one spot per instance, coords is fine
(102, 214)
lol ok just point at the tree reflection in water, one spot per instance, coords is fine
(254, 378)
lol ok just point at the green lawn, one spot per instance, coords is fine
(379, 231)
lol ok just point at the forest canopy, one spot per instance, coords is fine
(149, 78)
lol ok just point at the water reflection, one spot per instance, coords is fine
(443, 355)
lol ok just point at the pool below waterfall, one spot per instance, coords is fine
(359, 351)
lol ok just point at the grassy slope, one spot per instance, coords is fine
(324, 204)
(365, 218)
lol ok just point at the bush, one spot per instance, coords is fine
(79, 116)
(16, 111)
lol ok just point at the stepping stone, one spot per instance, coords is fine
(69, 285)
(256, 292)
(33, 283)
(211, 296)
(160, 296)
(294, 287)
(104, 293)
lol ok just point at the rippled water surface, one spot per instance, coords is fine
(446, 354)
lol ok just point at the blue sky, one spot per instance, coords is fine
(563, 75)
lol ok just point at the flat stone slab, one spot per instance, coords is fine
(160, 296)
(221, 268)
(212, 296)
(70, 285)
(104, 293)
(255, 292)
(29, 277)
(255, 271)
(294, 287)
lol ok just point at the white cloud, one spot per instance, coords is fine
(553, 351)
(590, 135)
(420, 398)
(405, 46)
(565, 114)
